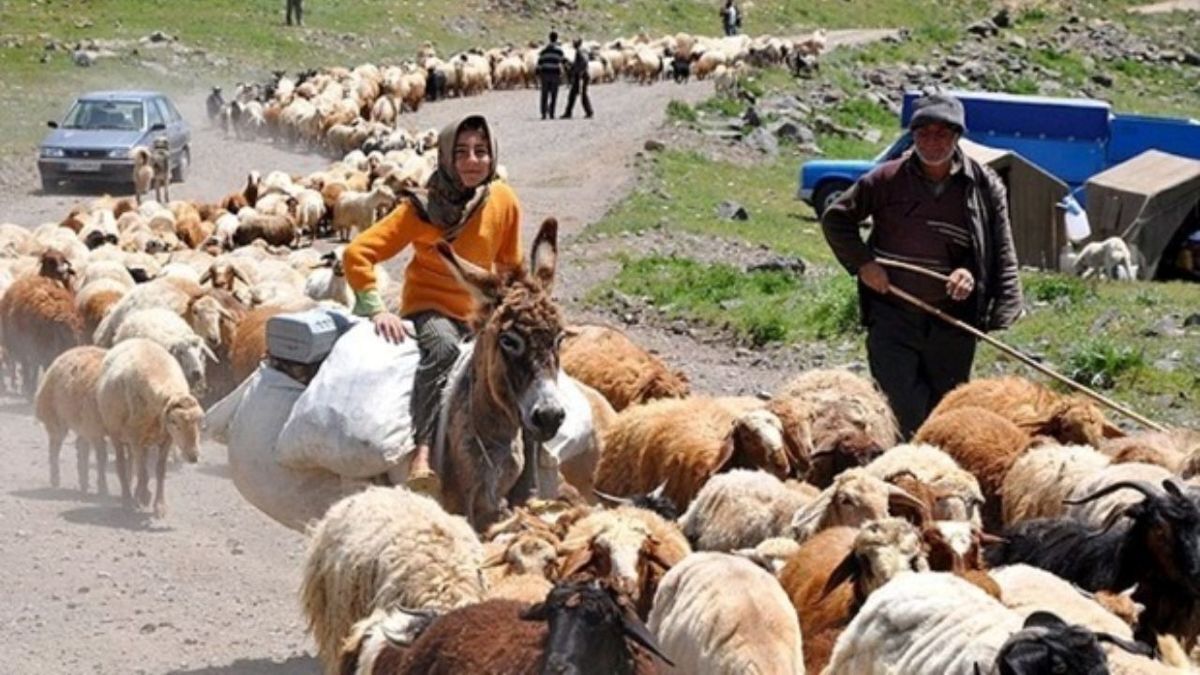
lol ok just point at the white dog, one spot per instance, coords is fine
(1110, 259)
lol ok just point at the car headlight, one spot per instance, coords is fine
(52, 152)
(119, 153)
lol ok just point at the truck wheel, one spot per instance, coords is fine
(179, 173)
(827, 194)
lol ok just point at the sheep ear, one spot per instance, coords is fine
(537, 612)
(635, 630)
(845, 571)
(726, 454)
(545, 254)
(1110, 430)
(207, 276)
(577, 561)
(1044, 620)
(484, 285)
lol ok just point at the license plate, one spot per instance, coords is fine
(83, 166)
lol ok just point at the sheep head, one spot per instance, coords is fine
(205, 314)
(190, 355)
(755, 442)
(54, 265)
(838, 450)
(658, 382)
(182, 419)
(1073, 420)
(882, 550)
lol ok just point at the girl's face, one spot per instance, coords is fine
(472, 157)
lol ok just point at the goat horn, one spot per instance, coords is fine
(1145, 487)
(659, 491)
(613, 499)
(1131, 646)
(986, 538)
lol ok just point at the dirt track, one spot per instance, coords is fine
(90, 587)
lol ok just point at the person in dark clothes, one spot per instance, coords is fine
(295, 8)
(731, 18)
(578, 74)
(549, 71)
(939, 209)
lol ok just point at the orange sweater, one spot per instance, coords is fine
(492, 235)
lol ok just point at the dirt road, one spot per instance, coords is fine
(92, 588)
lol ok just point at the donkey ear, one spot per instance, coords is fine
(545, 253)
(484, 285)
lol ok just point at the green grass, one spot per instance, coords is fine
(1099, 363)
(696, 186)
(680, 111)
(762, 307)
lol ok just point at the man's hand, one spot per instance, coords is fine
(960, 284)
(875, 277)
(389, 326)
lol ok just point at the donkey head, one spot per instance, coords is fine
(518, 331)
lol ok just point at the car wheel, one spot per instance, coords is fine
(49, 185)
(827, 194)
(179, 173)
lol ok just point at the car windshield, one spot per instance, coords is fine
(123, 115)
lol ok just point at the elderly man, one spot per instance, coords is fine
(939, 209)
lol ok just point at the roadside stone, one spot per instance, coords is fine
(83, 59)
(1164, 327)
(1002, 19)
(730, 210)
(1103, 79)
(1192, 321)
(654, 145)
(1017, 41)
(762, 140)
(790, 265)
(984, 28)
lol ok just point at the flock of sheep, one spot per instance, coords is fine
(1019, 532)
(340, 109)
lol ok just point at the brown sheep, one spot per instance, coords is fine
(96, 305)
(686, 442)
(1173, 450)
(1035, 409)
(832, 574)
(984, 444)
(608, 361)
(66, 401)
(39, 318)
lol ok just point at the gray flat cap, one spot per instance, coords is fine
(938, 108)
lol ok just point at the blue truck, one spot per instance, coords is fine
(1072, 139)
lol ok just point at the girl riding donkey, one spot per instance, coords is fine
(479, 217)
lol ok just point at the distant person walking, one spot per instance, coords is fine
(295, 8)
(549, 70)
(731, 18)
(578, 73)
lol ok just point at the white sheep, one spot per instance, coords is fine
(1042, 478)
(956, 492)
(385, 548)
(706, 626)
(169, 330)
(145, 403)
(1109, 259)
(937, 623)
(740, 509)
(356, 210)
(1098, 511)
(855, 497)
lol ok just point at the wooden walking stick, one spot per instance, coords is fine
(1011, 351)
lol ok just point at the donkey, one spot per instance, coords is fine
(509, 387)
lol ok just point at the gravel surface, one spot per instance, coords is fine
(212, 589)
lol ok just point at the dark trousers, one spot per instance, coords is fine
(437, 337)
(294, 8)
(579, 87)
(549, 96)
(917, 359)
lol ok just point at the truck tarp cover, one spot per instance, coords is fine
(1144, 201)
(1033, 195)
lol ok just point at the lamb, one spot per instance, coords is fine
(983, 443)
(385, 548)
(609, 362)
(740, 509)
(686, 442)
(1042, 478)
(936, 623)
(1034, 408)
(39, 318)
(628, 547)
(274, 229)
(580, 628)
(958, 494)
(705, 628)
(356, 210)
(1172, 449)
(1108, 259)
(171, 332)
(66, 401)
(144, 402)
(855, 498)
(835, 572)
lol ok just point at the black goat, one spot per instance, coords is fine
(656, 500)
(1047, 644)
(1158, 549)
